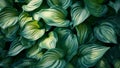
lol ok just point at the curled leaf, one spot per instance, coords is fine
(24, 18)
(18, 45)
(32, 5)
(105, 33)
(67, 41)
(53, 16)
(49, 41)
(8, 17)
(32, 31)
(90, 54)
(82, 33)
(79, 13)
(53, 58)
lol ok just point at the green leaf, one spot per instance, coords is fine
(53, 58)
(115, 5)
(10, 32)
(116, 63)
(67, 41)
(22, 63)
(34, 52)
(54, 16)
(8, 17)
(79, 13)
(83, 32)
(49, 41)
(18, 45)
(90, 54)
(32, 5)
(24, 18)
(32, 31)
(62, 3)
(105, 33)
(103, 63)
(96, 8)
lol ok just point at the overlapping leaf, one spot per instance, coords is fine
(18, 45)
(90, 54)
(8, 17)
(10, 32)
(49, 41)
(115, 5)
(96, 8)
(32, 5)
(53, 58)
(62, 3)
(105, 33)
(82, 32)
(54, 16)
(33, 31)
(67, 41)
(79, 13)
(24, 18)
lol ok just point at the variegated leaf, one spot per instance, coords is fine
(32, 5)
(32, 31)
(79, 13)
(54, 16)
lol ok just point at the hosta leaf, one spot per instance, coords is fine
(79, 13)
(33, 51)
(10, 32)
(24, 18)
(22, 63)
(105, 33)
(115, 5)
(3, 3)
(53, 58)
(18, 45)
(90, 54)
(62, 3)
(53, 16)
(8, 17)
(95, 8)
(103, 63)
(116, 63)
(67, 41)
(82, 33)
(33, 31)
(32, 5)
(49, 41)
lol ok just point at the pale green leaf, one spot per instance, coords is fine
(8, 17)
(90, 54)
(62, 3)
(33, 31)
(53, 58)
(49, 41)
(32, 5)
(24, 18)
(53, 16)
(105, 33)
(79, 13)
